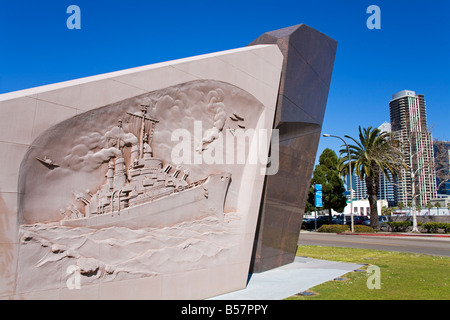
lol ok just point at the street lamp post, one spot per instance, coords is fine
(350, 178)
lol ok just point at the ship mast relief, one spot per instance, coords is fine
(144, 193)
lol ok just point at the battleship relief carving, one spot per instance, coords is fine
(144, 193)
(99, 191)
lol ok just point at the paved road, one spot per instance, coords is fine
(424, 245)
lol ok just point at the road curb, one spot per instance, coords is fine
(394, 235)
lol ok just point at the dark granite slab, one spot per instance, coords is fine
(307, 68)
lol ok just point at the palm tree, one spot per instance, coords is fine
(375, 152)
(409, 204)
(419, 208)
(437, 205)
(401, 206)
(429, 205)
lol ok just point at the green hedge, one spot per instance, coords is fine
(333, 228)
(339, 228)
(433, 227)
(363, 229)
(399, 226)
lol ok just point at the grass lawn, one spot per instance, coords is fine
(404, 276)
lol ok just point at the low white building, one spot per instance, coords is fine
(362, 207)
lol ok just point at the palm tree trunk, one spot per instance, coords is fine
(372, 188)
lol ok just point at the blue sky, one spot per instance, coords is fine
(410, 51)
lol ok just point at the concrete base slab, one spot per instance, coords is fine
(288, 280)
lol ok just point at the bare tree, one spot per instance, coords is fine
(419, 165)
(441, 161)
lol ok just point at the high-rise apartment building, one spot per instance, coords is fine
(359, 188)
(385, 188)
(409, 126)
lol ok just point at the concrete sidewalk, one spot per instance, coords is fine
(288, 280)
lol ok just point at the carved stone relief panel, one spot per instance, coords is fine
(139, 188)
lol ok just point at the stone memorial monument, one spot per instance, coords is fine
(168, 181)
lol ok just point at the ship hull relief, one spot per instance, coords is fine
(189, 205)
(99, 191)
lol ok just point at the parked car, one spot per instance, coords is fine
(309, 223)
(383, 220)
(339, 219)
(360, 219)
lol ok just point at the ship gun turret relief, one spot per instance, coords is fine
(141, 191)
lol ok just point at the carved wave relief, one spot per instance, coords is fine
(47, 252)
